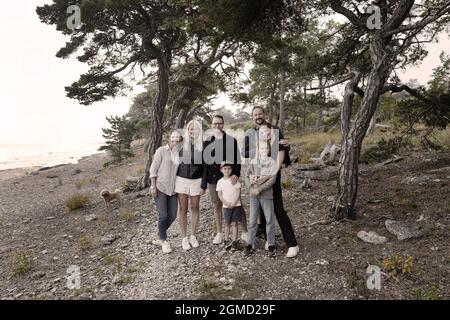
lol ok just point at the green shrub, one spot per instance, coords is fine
(288, 183)
(432, 293)
(77, 201)
(398, 264)
(85, 243)
(21, 263)
(126, 215)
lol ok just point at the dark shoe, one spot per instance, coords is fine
(228, 244)
(271, 252)
(235, 245)
(248, 250)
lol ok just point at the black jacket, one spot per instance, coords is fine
(191, 163)
(251, 136)
(214, 152)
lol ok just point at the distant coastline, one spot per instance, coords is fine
(33, 156)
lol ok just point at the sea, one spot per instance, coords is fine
(14, 156)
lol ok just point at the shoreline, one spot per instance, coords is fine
(10, 173)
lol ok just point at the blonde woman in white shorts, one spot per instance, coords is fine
(188, 182)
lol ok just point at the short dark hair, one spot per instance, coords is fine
(258, 107)
(218, 116)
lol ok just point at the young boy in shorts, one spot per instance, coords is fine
(233, 212)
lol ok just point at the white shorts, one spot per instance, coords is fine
(191, 187)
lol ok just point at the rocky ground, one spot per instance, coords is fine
(40, 239)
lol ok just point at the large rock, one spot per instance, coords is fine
(132, 184)
(371, 237)
(404, 230)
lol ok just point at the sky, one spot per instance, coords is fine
(34, 108)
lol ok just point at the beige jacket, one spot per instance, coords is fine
(164, 167)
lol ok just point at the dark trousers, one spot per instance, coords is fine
(283, 219)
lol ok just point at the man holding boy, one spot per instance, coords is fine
(281, 153)
(218, 148)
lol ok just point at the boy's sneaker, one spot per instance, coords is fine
(244, 236)
(266, 246)
(218, 238)
(228, 244)
(166, 247)
(185, 244)
(292, 252)
(271, 252)
(157, 242)
(193, 241)
(249, 250)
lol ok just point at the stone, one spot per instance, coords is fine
(371, 237)
(90, 217)
(108, 239)
(322, 262)
(404, 230)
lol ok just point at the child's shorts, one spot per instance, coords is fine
(233, 215)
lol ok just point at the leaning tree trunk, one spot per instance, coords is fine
(164, 63)
(353, 134)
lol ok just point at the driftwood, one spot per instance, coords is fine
(327, 174)
(329, 155)
(392, 160)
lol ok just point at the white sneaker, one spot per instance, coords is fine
(218, 238)
(193, 241)
(244, 236)
(185, 244)
(266, 246)
(292, 252)
(166, 247)
(157, 242)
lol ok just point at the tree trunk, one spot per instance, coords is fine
(319, 121)
(272, 102)
(164, 63)
(304, 107)
(181, 120)
(353, 134)
(282, 93)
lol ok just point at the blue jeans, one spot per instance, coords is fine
(269, 214)
(167, 207)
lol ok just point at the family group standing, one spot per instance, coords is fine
(188, 165)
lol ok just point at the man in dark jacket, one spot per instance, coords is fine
(217, 148)
(280, 151)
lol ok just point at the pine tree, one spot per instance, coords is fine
(118, 139)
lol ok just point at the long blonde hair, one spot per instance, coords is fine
(198, 142)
